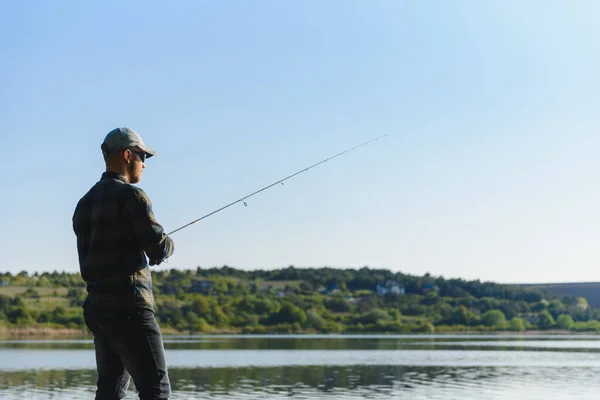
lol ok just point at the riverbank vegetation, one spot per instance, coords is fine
(305, 300)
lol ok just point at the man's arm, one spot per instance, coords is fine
(157, 245)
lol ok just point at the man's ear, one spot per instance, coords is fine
(128, 155)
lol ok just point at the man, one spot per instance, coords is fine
(118, 237)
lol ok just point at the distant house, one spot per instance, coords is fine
(331, 288)
(5, 282)
(198, 286)
(201, 286)
(286, 292)
(390, 287)
(168, 289)
(430, 287)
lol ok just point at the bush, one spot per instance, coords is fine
(494, 318)
(517, 324)
(587, 326)
(31, 293)
(545, 321)
(288, 314)
(426, 327)
(338, 304)
(314, 320)
(564, 321)
(374, 316)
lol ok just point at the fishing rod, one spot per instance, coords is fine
(273, 184)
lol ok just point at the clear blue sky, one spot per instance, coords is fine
(490, 170)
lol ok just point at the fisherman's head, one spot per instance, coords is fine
(124, 152)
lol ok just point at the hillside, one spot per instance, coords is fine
(588, 290)
(310, 300)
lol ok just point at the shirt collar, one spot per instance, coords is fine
(113, 175)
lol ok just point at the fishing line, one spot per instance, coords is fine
(273, 184)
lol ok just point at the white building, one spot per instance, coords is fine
(390, 287)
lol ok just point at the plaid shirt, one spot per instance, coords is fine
(116, 229)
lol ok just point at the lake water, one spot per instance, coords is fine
(327, 367)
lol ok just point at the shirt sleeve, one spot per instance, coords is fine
(149, 233)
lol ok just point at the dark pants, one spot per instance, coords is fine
(128, 345)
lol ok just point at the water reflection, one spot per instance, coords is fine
(324, 342)
(383, 367)
(325, 381)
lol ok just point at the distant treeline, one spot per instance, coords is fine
(294, 300)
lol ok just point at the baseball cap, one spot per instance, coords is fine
(125, 138)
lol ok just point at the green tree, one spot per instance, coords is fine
(219, 316)
(374, 316)
(427, 327)
(545, 320)
(306, 287)
(59, 315)
(395, 314)
(43, 282)
(19, 314)
(45, 316)
(494, 318)
(289, 314)
(238, 303)
(31, 293)
(199, 305)
(195, 323)
(517, 324)
(338, 304)
(462, 316)
(582, 303)
(314, 320)
(343, 287)
(564, 321)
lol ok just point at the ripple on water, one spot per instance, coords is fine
(540, 372)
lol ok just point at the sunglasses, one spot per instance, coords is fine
(141, 154)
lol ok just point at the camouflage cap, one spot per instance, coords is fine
(125, 138)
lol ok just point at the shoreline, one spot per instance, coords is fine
(41, 333)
